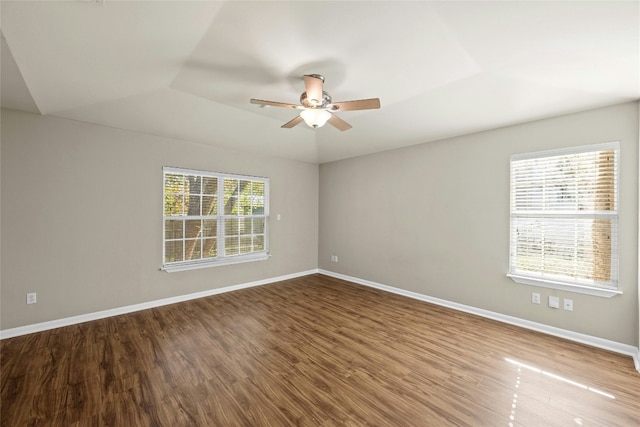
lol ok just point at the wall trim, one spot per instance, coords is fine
(602, 343)
(68, 321)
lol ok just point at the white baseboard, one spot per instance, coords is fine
(617, 347)
(38, 327)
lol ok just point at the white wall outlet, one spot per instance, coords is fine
(554, 302)
(535, 298)
(334, 258)
(32, 298)
(568, 304)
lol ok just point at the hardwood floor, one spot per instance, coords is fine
(312, 351)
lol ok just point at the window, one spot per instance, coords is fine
(564, 219)
(213, 219)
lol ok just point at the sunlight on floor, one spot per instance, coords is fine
(559, 378)
(524, 366)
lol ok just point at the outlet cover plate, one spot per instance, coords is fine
(554, 302)
(568, 304)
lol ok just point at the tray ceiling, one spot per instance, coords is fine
(186, 69)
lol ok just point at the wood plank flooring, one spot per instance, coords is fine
(312, 351)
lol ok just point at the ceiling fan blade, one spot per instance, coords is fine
(338, 123)
(313, 87)
(275, 104)
(361, 104)
(291, 123)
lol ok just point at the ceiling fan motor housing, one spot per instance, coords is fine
(326, 100)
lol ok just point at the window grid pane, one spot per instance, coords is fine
(577, 248)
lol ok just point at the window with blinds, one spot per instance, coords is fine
(213, 219)
(564, 216)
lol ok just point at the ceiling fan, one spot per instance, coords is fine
(317, 107)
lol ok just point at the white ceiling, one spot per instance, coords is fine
(188, 69)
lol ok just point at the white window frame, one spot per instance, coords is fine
(221, 258)
(557, 282)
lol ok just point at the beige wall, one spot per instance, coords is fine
(82, 225)
(434, 219)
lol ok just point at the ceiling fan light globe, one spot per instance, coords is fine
(315, 118)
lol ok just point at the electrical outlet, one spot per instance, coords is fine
(568, 304)
(554, 302)
(535, 298)
(334, 258)
(32, 298)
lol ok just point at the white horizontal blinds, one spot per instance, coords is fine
(564, 223)
(210, 216)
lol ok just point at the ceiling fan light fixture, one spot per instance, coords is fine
(315, 118)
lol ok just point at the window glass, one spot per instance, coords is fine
(213, 219)
(564, 220)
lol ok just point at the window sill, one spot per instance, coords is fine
(185, 266)
(580, 289)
